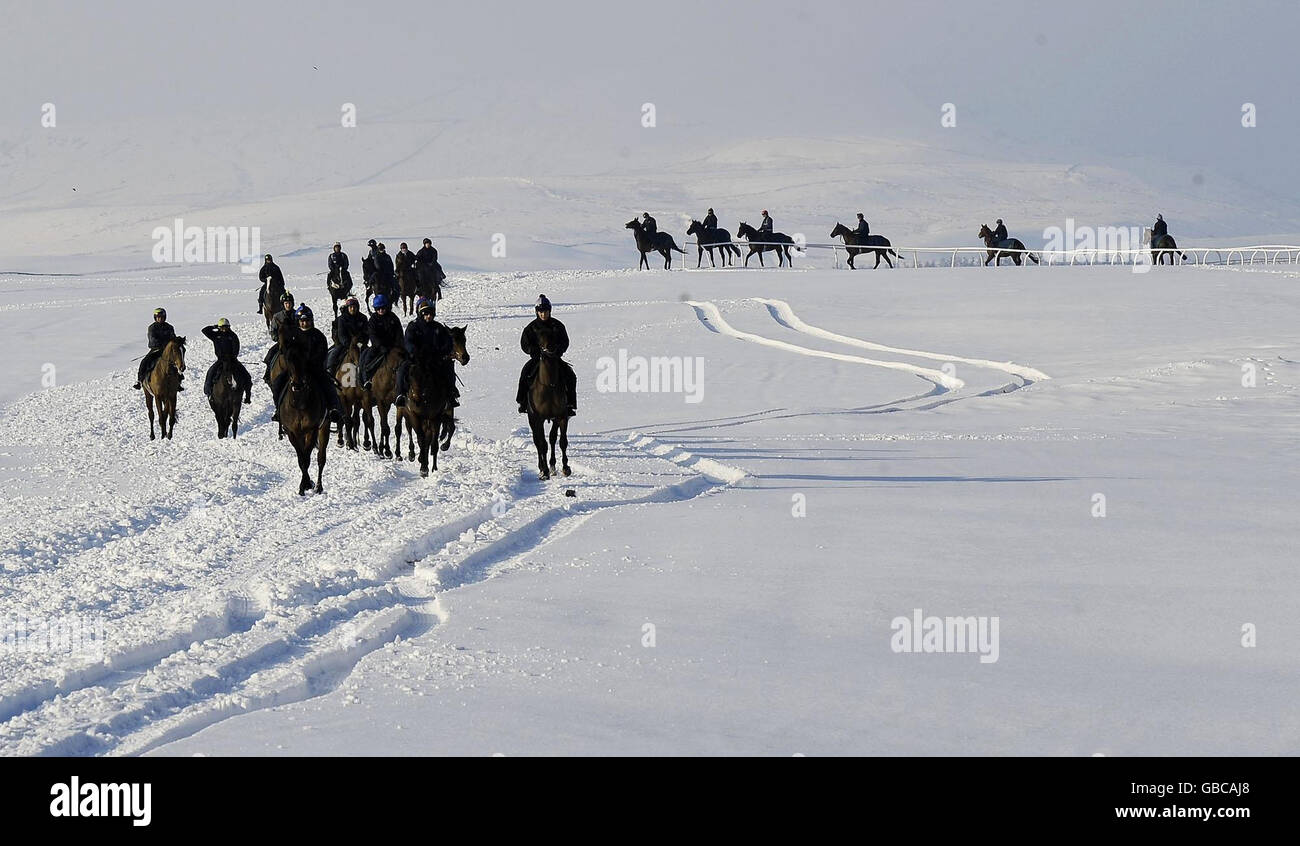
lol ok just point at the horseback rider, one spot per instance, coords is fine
(385, 331)
(368, 263)
(863, 229)
(404, 260)
(766, 225)
(338, 261)
(281, 317)
(648, 223)
(348, 326)
(530, 342)
(160, 333)
(1000, 233)
(226, 343)
(1159, 230)
(710, 221)
(272, 282)
(429, 343)
(430, 272)
(385, 275)
(314, 339)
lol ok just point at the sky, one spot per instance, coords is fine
(1041, 81)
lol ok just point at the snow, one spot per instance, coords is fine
(481, 611)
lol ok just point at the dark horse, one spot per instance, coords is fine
(998, 249)
(548, 399)
(857, 244)
(339, 284)
(226, 400)
(302, 409)
(707, 239)
(407, 285)
(660, 242)
(1164, 246)
(427, 411)
(778, 241)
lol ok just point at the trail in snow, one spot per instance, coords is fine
(783, 314)
(712, 319)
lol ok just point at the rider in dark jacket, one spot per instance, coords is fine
(428, 269)
(429, 343)
(404, 261)
(350, 324)
(766, 225)
(863, 229)
(648, 223)
(385, 275)
(1160, 229)
(338, 259)
(284, 315)
(710, 220)
(272, 281)
(385, 330)
(159, 334)
(226, 343)
(530, 343)
(316, 344)
(1000, 233)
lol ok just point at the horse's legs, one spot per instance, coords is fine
(410, 438)
(432, 446)
(699, 259)
(304, 461)
(643, 262)
(397, 425)
(148, 403)
(322, 443)
(555, 430)
(368, 418)
(536, 423)
(668, 258)
(747, 255)
(564, 445)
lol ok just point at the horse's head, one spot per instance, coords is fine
(840, 229)
(985, 232)
(175, 353)
(743, 230)
(458, 349)
(694, 227)
(633, 224)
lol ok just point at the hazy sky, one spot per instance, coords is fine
(1042, 80)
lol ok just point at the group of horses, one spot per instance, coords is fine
(304, 411)
(412, 284)
(855, 243)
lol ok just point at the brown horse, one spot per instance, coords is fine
(548, 399)
(428, 407)
(356, 410)
(226, 400)
(382, 393)
(303, 410)
(162, 384)
(407, 284)
(998, 249)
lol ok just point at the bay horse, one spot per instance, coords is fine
(339, 285)
(660, 242)
(162, 385)
(999, 249)
(857, 244)
(428, 404)
(271, 301)
(707, 239)
(382, 393)
(778, 241)
(408, 285)
(303, 410)
(548, 400)
(356, 408)
(1162, 247)
(429, 281)
(226, 400)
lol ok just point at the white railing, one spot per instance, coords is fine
(1268, 254)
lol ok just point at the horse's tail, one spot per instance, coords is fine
(673, 245)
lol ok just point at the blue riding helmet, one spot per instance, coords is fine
(380, 301)
(304, 312)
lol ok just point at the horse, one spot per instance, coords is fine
(427, 405)
(1163, 246)
(857, 244)
(271, 301)
(407, 285)
(429, 281)
(382, 393)
(707, 239)
(548, 399)
(999, 249)
(339, 286)
(226, 400)
(356, 409)
(778, 241)
(162, 385)
(660, 242)
(303, 410)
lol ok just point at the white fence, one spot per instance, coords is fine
(1201, 256)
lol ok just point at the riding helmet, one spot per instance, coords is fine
(286, 297)
(370, 243)
(160, 312)
(425, 304)
(380, 301)
(223, 323)
(543, 304)
(351, 301)
(304, 312)
(427, 241)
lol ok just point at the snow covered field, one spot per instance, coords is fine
(726, 576)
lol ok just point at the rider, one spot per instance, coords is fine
(272, 280)
(710, 220)
(385, 331)
(1160, 229)
(766, 225)
(315, 342)
(338, 260)
(530, 342)
(284, 315)
(385, 276)
(160, 332)
(427, 263)
(429, 343)
(1000, 233)
(648, 223)
(368, 262)
(404, 260)
(349, 325)
(226, 343)
(863, 228)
